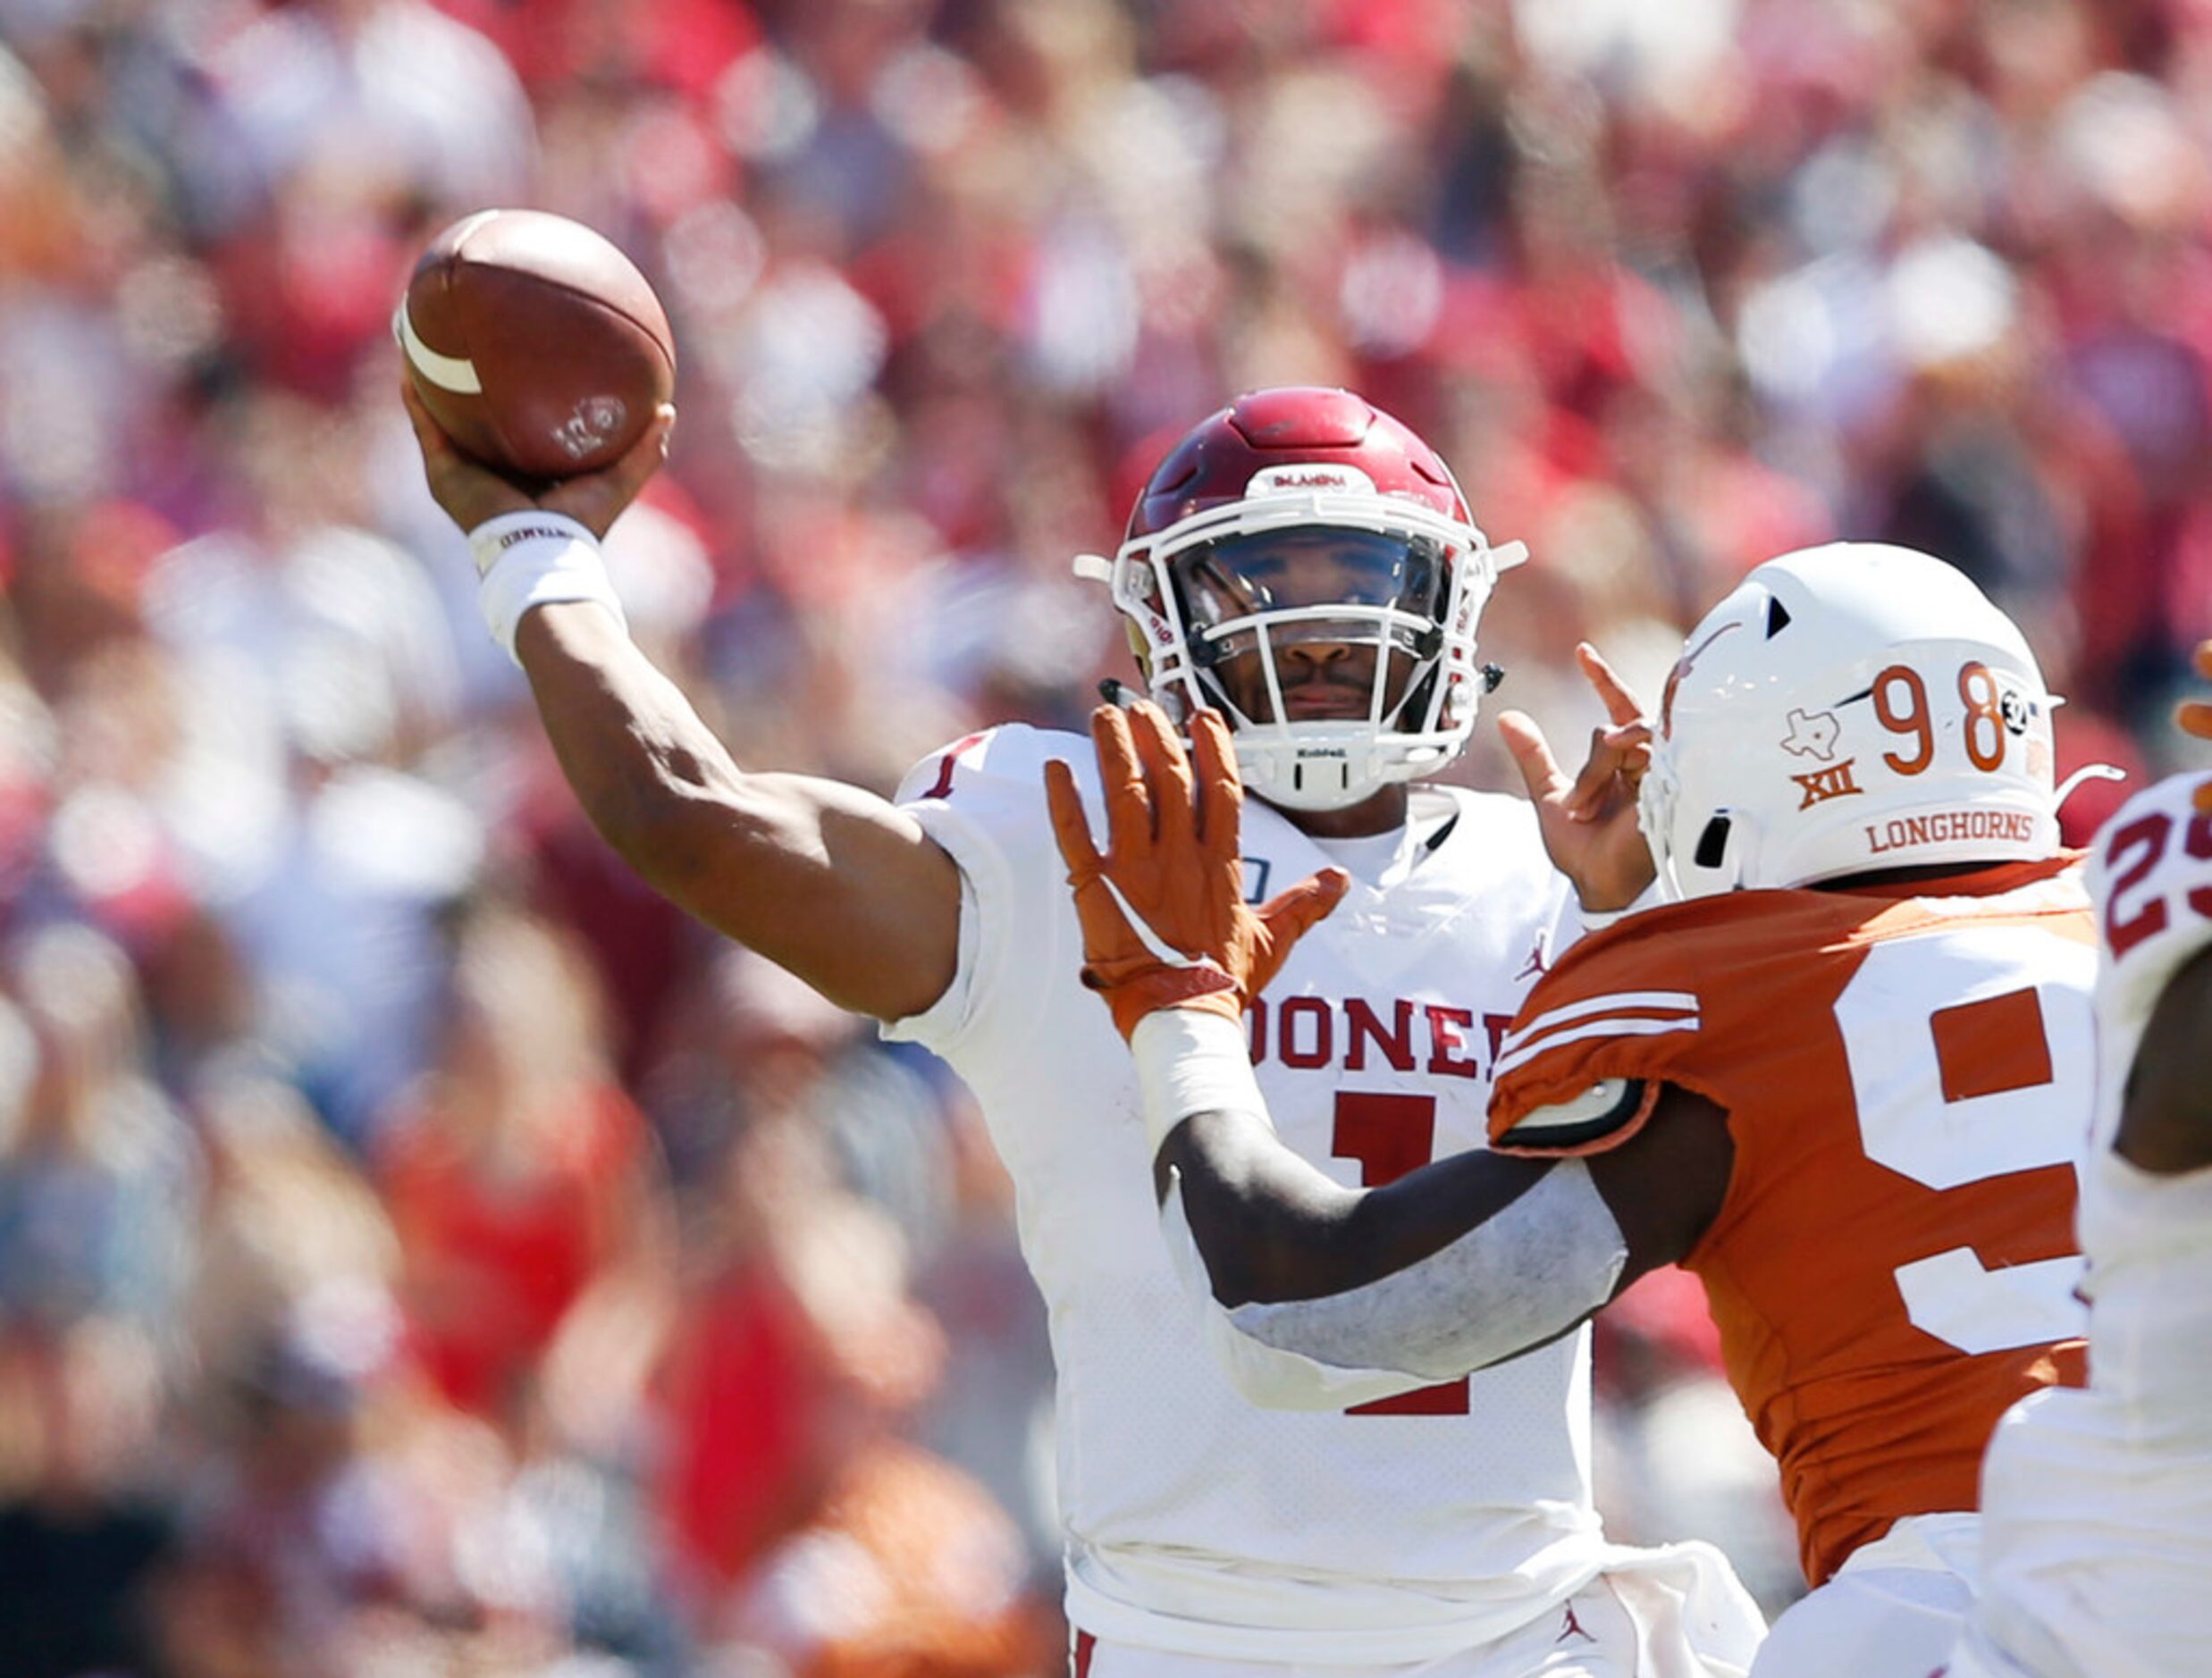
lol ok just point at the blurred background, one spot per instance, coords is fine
(423, 1251)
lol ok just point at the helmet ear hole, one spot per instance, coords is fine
(1713, 844)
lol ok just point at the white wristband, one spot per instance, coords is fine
(1660, 891)
(1191, 1061)
(534, 559)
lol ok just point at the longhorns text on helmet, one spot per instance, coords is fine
(1310, 459)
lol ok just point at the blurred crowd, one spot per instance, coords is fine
(421, 1251)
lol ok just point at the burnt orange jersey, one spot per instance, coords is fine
(1908, 1080)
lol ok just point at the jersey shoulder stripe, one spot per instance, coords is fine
(1627, 1006)
(988, 763)
(1627, 1014)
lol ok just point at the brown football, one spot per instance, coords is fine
(536, 345)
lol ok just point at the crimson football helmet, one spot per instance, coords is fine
(1305, 563)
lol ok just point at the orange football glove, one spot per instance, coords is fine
(1164, 917)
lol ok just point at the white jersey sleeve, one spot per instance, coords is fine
(1195, 1521)
(999, 834)
(2148, 1236)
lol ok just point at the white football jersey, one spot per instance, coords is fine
(1195, 1521)
(2098, 1503)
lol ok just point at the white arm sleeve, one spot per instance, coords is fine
(1266, 1375)
(1532, 1271)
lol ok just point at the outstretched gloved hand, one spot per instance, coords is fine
(1163, 911)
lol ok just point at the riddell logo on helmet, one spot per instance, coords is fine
(1275, 480)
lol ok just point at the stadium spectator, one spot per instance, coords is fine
(526, 1190)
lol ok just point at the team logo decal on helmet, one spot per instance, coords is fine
(1812, 736)
(1822, 784)
(1849, 708)
(1306, 563)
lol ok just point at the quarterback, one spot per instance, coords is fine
(1841, 1082)
(1308, 561)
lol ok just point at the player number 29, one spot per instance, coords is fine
(2133, 854)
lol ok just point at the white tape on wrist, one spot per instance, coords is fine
(1190, 1061)
(1660, 891)
(536, 558)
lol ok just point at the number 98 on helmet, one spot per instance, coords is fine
(1850, 708)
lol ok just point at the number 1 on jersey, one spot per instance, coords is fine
(1391, 1135)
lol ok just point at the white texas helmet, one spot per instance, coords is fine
(1849, 708)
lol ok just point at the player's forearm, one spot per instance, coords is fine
(1271, 1227)
(1474, 1267)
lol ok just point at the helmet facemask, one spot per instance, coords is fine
(1299, 527)
(1335, 631)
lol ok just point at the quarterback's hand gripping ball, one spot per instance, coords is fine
(1163, 911)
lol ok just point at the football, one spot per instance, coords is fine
(536, 345)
